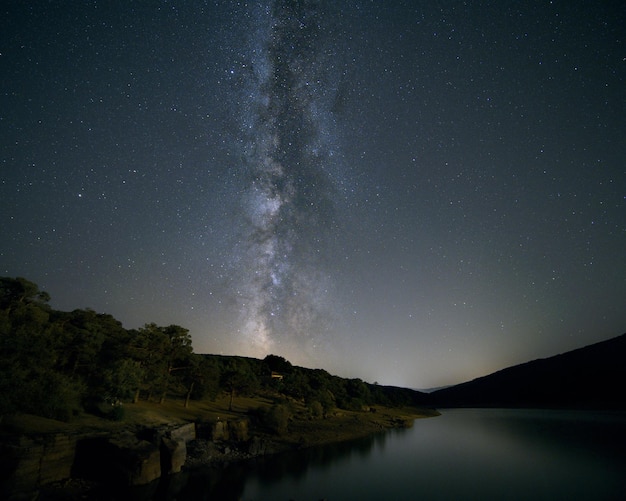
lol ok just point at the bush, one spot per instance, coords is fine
(316, 410)
(117, 413)
(277, 419)
(54, 396)
(351, 404)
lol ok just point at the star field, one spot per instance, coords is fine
(411, 193)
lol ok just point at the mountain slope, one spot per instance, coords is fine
(589, 377)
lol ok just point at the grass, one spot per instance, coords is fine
(302, 430)
(346, 425)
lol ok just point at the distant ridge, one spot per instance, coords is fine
(589, 377)
(431, 390)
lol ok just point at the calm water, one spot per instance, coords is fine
(463, 454)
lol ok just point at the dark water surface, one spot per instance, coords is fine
(463, 454)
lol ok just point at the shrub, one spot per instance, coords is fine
(277, 419)
(53, 396)
(316, 410)
(117, 413)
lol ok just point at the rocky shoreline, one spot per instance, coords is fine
(141, 455)
(126, 458)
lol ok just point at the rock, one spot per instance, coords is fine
(174, 448)
(173, 455)
(20, 466)
(238, 430)
(30, 462)
(137, 462)
(57, 459)
(257, 447)
(186, 432)
(127, 459)
(123, 460)
(402, 423)
(220, 431)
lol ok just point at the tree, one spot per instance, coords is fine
(53, 362)
(297, 384)
(208, 383)
(277, 418)
(238, 378)
(26, 350)
(178, 347)
(29, 379)
(163, 352)
(78, 338)
(121, 380)
(278, 364)
(20, 291)
(201, 378)
(147, 347)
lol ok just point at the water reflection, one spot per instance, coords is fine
(463, 454)
(230, 482)
(467, 454)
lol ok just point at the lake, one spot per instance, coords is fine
(463, 454)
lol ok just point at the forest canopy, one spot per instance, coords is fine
(58, 364)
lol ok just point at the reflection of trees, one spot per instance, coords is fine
(226, 483)
(220, 483)
(295, 464)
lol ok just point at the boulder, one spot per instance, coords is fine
(136, 462)
(21, 463)
(173, 455)
(238, 430)
(174, 447)
(219, 431)
(123, 460)
(30, 462)
(129, 458)
(257, 447)
(186, 432)
(58, 458)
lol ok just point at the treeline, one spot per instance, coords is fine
(315, 387)
(57, 364)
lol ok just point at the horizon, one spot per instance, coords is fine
(373, 382)
(417, 194)
(430, 389)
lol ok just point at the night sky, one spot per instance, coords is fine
(413, 193)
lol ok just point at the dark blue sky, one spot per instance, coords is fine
(415, 193)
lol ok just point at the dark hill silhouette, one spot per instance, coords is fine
(589, 377)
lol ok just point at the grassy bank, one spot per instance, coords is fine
(302, 429)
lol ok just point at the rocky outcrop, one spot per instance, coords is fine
(28, 462)
(131, 457)
(223, 442)
(186, 432)
(135, 458)
(219, 431)
(132, 460)
(239, 430)
(174, 447)
(127, 458)
(223, 431)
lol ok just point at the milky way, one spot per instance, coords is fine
(415, 193)
(288, 157)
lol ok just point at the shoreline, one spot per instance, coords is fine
(50, 457)
(342, 426)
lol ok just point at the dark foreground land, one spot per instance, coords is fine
(72, 460)
(67, 379)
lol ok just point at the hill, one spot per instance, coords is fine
(589, 377)
(84, 399)
(59, 365)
